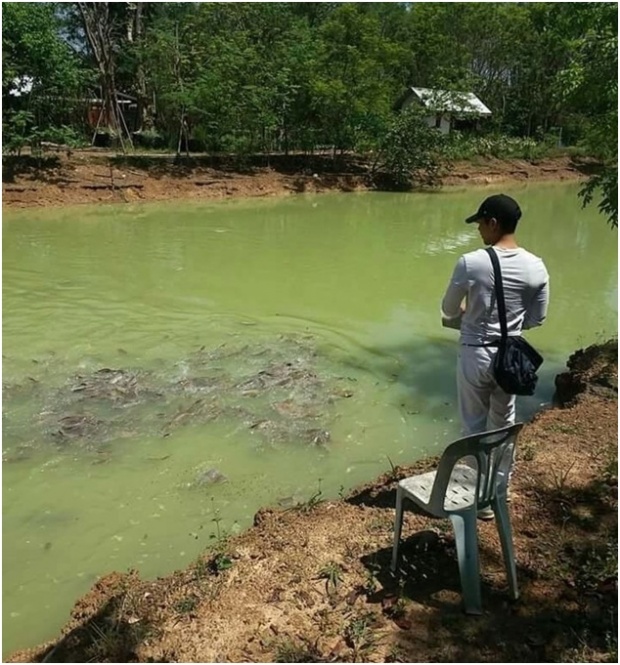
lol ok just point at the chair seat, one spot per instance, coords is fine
(459, 494)
(458, 491)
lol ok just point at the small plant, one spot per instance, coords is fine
(332, 574)
(104, 637)
(597, 564)
(370, 583)
(201, 568)
(350, 551)
(358, 634)
(323, 620)
(377, 524)
(392, 469)
(610, 470)
(443, 527)
(186, 605)
(313, 501)
(401, 604)
(397, 609)
(396, 654)
(563, 428)
(560, 477)
(289, 651)
(527, 452)
(222, 562)
(217, 519)
(17, 131)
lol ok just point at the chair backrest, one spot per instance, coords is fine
(493, 454)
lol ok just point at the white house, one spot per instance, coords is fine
(22, 85)
(447, 109)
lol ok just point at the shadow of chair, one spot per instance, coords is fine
(473, 474)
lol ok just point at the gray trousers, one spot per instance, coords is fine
(483, 405)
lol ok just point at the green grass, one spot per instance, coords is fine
(332, 574)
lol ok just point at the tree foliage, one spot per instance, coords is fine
(39, 71)
(241, 77)
(410, 153)
(591, 81)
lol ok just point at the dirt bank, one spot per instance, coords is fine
(92, 176)
(313, 583)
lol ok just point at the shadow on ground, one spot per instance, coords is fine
(104, 637)
(45, 169)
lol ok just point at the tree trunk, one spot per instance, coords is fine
(98, 28)
(135, 32)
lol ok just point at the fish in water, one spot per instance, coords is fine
(289, 502)
(210, 476)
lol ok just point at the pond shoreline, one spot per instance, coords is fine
(311, 584)
(91, 176)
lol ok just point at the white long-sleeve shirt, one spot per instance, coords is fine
(526, 293)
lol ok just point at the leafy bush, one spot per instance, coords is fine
(607, 183)
(149, 138)
(20, 131)
(410, 153)
(63, 135)
(17, 128)
(461, 146)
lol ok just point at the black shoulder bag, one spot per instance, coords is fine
(516, 361)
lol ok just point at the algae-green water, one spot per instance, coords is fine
(143, 287)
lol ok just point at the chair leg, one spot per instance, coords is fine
(505, 536)
(466, 536)
(398, 527)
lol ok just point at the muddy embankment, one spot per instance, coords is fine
(312, 583)
(91, 176)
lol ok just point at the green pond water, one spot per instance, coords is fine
(291, 345)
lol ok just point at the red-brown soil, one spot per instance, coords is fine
(313, 583)
(92, 176)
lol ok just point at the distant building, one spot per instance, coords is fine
(20, 86)
(96, 115)
(447, 110)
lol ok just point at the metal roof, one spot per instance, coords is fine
(22, 85)
(450, 101)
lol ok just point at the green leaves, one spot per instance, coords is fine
(606, 185)
(590, 83)
(310, 76)
(411, 153)
(33, 48)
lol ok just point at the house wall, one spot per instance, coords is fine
(94, 110)
(442, 123)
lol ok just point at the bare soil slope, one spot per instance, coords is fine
(91, 176)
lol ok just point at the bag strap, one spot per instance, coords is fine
(499, 292)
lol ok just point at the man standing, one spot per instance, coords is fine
(483, 405)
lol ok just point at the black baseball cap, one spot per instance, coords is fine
(502, 207)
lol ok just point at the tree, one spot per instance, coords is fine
(102, 25)
(411, 153)
(33, 49)
(41, 76)
(590, 82)
(262, 76)
(136, 12)
(352, 86)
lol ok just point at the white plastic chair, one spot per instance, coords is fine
(472, 474)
